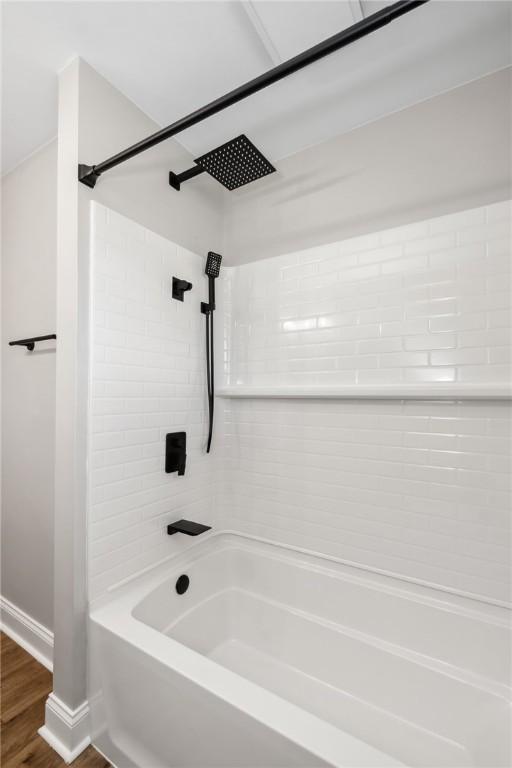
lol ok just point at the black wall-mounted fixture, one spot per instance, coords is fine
(235, 163)
(187, 527)
(176, 452)
(30, 343)
(179, 287)
(212, 270)
(89, 174)
(176, 180)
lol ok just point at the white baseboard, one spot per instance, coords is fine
(27, 632)
(107, 759)
(66, 730)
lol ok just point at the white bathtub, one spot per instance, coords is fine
(274, 657)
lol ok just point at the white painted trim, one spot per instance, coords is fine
(67, 731)
(262, 32)
(453, 391)
(357, 11)
(35, 638)
(108, 760)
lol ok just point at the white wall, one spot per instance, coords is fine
(28, 383)
(139, 188)
(419, 489)
(95, 121)
(447, 154)
(147, 379)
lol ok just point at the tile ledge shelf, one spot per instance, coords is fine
(452, 391)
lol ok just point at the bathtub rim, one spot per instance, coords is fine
(497, 613)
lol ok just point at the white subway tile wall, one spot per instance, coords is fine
(147, 379)
(428, 302)
(420, 489)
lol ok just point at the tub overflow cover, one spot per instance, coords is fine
(182, 584)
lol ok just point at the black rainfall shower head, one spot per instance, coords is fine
(235, 163)
(213, 261)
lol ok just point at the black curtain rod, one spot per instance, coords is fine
(89, 174)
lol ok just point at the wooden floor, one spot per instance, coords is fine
(25, 686)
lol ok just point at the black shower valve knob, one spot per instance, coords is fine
(176, 452)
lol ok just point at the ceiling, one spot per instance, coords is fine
(172, 57)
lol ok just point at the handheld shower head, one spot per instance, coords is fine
(213, 261)
(211, 270)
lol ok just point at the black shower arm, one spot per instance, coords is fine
(89, 174)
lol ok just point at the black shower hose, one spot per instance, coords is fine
(210, 375)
